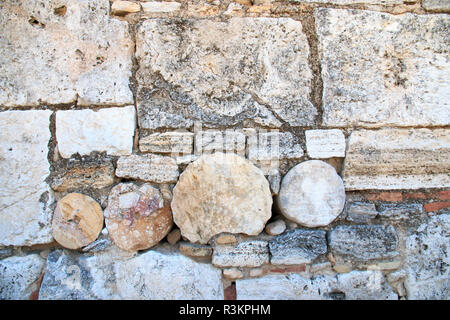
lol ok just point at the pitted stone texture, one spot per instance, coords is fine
(25, 216)
(19, 276)
(77, 221)
(397, 159)
(363, 242)
(436, 5)
(361, 212)
(251, 253)
(322, 144)
(226, 141)
(297, 247)
(85, 131)
(391, 71)
(83, 174)
(400, 212)
(137, 217)
(167, 142)
(275, 228)
(81, 55)
(356, 285)
(428, 260)
(223, 72)
(151, 167)
(266, 146)
(195, 250)
(221, 193)
(312, 194)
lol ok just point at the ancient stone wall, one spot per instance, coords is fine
(225, 149)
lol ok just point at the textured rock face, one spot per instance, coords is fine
(77, 221)
(428, 260)
(81, 53)
(167, 142)
(152, 168)
(210, 140)
(419, 158)
(312, 194)
(266, 146)
(361, 212)
(364, 242)
(25, 217)
(322, 144)
(221, 193)
(19, 276)
(297, 246)
(436, 5)
(252, 253)
(356, 285)
(84, 131)
(391, 71)
(151, 275)
(137, 217)
(233, 71)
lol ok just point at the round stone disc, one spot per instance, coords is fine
(77, 221)
(137, 217)
(221, 193)
(312, 194)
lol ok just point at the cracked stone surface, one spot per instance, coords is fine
(79, 54)
(25, 197)
(222, 73)
(391, 71)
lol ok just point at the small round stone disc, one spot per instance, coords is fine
(77, 221)
(312, 194)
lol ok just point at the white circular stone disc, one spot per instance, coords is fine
(312, 194)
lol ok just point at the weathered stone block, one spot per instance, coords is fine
(399, 212)
(79, 54)
(153, 275)
(151, 167)
(167, 142)
(363, 242)
(266, 146)
(223, 72)
(25, 216)
(361, 212)
(322, 144)
(428, 260)
(85, 131)
(391, 71)
(297, 246)
(19, 276)
(397, 159)
(251, 253)
(160, 7)
(436, 5)
(124, 7)
(195, 250)
(226, 141)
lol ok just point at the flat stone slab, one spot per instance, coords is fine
(397, 159)
(223, 72)
(355, 285)
(363, 242)
(268, 146)
(81, 55)
(25, 216)
(85, 131)
(153, 275)
(391, 71)
(150, 167)
(297, 246)
(323, 144)
(168, 142)
(251, 253)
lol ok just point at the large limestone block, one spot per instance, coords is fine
(397, 159)
(19, 276)
(77, 221)
(322, 144)
(391, 71)
(436, 5)
(154, 275)
(85, 131)
(25, 217)
(223, 72)
(51, 56)
(312, 194)
(137, 217)
(428, 260)
(355, 285)
(221, 193)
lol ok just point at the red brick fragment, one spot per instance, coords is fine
(435, 206)
(298, 268)
(385, 196)
(230, 292)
